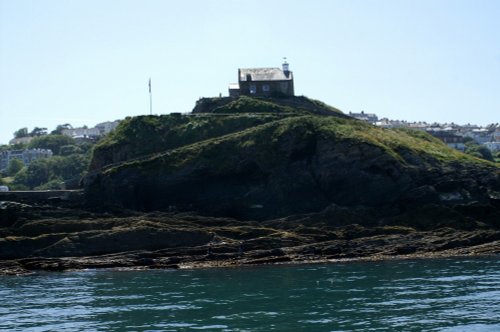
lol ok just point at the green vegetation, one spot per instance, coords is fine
(220, 129)
(398, 143)
(320, 105)
(267, 139)
(22, 132)
(64, 170)
(52, 142)
(497, 157)
(478, 151)
(255, 123)
(37, 131)
(60, 128)
(15, 165)
(246, 104)
(52, 173)
(213, 117)
(145, 135)
(18, 146)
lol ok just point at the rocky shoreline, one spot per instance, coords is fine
(48, 238)
(256, 181)
(174, 260)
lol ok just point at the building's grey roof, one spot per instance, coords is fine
(264, 74)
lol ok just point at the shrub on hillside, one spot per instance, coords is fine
(52, 142)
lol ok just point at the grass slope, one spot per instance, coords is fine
(144, 135)
(404, 146)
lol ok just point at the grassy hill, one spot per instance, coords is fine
(280, 161)
(259, 181)
(144, 136)
(212, 117)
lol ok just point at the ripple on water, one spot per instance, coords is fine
(424, 295)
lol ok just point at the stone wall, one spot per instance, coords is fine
(41, 196)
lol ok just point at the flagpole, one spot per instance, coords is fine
(150, 99)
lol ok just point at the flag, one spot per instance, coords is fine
(150, 85)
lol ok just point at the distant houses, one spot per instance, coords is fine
(451, 139)
(107, 127)
(81, 134)
(479, 135)
(26, 156)
(452, 134)
(263, 82)
(99, 130)
(368, 117)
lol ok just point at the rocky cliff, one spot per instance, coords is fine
(211, 117)
(276, 165)
(255, 181)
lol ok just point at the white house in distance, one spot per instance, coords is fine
(19, 140)
(82, 132)
(99, 130)
(368, 117)
(106, 127)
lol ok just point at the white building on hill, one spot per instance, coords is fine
(99, 130)
(26, 156)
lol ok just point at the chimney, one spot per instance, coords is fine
(286, 71)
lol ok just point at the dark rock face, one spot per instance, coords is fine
(58, 239)
(274, 189)
(266, 176)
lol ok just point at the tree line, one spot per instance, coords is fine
(40, 131)
(63, 170)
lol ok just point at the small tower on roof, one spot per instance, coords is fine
(286, 70)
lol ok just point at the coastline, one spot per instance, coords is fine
(67, 237)
(146, 261)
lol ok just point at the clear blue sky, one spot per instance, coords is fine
(88, 61)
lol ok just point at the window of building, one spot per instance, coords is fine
(253, 89)
(266, 88)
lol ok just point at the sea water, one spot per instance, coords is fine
(417, 295)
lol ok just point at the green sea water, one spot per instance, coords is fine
(416, 295)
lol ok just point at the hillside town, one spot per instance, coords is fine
(454, 135)
(18, 147)
(79, 133)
